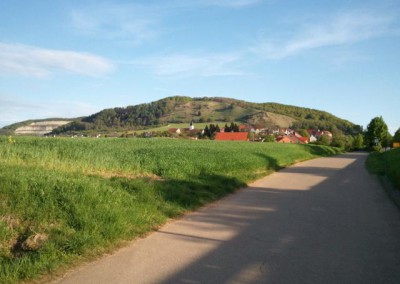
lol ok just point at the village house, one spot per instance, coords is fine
(292, 139)
(286, 131)
(189, 130)
(174, 130)
(244, 128)
(312, 138)
(231, 136)
(318, 133)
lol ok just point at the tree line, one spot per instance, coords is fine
(210, 131)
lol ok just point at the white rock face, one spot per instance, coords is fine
(40, 128)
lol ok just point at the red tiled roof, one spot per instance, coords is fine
(292, 139)
(303, 139)
(232, 136)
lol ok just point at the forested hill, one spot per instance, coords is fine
(184, 109)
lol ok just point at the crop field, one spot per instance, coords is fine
(63, 200)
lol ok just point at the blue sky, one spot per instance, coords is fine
(74, 58)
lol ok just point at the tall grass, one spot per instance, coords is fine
(62, 200)
(386, 164)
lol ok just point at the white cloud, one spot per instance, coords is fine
(119, 22)
(340, 30)
(39, 62)
(186, 65)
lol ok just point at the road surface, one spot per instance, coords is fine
(320, 221)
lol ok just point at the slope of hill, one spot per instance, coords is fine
(34, 127)
(184, 109)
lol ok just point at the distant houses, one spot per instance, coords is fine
(248, 132)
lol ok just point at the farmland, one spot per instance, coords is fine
(68, 200)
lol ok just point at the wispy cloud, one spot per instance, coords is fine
(342, 29)
(189, 65)
(135, 24)
(14, 109)
(231, 3)
(129, 23)
(39, 62)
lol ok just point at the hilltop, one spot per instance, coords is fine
(201, 110)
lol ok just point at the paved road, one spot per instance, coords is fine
(321, 221)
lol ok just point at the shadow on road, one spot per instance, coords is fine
(338, 229)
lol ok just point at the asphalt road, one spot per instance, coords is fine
(321, 221)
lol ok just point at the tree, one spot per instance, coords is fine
(207, 131)
(269, 138)
(227, 128)
(358, 142)
(234, 127)
(349, 142)
(324, 140)
(396, 137)
(338, 141)
(387, 141)
(377, 133)
(303, 133)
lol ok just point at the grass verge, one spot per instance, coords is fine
(386, 164)
(67, 200)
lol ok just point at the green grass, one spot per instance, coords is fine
(386, 164)
(64, 200)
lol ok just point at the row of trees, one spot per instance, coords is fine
(346, 142)
(375, 138)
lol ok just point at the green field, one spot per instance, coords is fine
(68, 200)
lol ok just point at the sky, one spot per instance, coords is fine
(69, 58)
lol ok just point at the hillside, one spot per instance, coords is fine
(184, 109)
(34, 127)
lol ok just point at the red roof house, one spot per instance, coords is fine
(292, 139)
(231, 136)
(303, 139)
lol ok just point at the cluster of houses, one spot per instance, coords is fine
(291, 136)
(246, 133)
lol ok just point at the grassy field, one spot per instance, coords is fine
(65, 200)
(386, 164)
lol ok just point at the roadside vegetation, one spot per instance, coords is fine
(386, 164)
(384, 159)
(68, 200)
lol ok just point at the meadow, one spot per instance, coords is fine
(64, 201)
